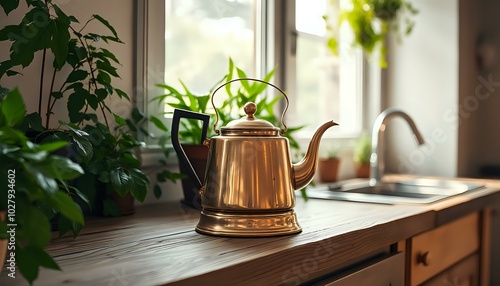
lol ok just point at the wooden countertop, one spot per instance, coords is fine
(158, 244)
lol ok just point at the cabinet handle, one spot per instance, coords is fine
(422, 258)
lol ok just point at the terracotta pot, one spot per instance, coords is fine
(363, 170)
(3, 244)
(328, 169)
(125, 204)
(197, 155)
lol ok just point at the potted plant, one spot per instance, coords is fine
(36, 189)
(328, 166)
(361, 155)
(371, 21)
(230, 108)
(113, 178)
(87, 88)
(190, 136)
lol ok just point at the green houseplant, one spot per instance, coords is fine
(36, 189)
(230, 108)
(113, 171)
(361, 155)
(371, 21)
(87, 88)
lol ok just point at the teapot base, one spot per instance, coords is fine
(248, 224)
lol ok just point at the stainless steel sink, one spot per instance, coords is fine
(418, 191)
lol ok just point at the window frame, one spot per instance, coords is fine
(277, 23)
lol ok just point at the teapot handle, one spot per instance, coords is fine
(184, 160)
(252, 79)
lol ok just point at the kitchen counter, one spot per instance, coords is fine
(158, 245)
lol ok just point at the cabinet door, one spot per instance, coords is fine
(388, 272)
(438, 249)
(465, 273)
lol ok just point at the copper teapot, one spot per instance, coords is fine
(249, 184)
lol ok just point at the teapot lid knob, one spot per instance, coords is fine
(250, 108)
(250, 125)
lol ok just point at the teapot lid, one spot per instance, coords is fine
(249, 125)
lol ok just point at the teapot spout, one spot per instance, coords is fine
(303, 172)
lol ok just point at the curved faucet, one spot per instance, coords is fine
(377, 157)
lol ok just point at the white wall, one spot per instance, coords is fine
(422, 80)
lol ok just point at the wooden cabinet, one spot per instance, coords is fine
(465, 273)
(387, 272)
(452, 254)
(433, 252)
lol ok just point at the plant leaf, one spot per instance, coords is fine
(106, 23)
(77, 75)
(109, 55)
(140, 185)
(157, 191)
(103, 77)
(63, 168)
(52, 146)
(84, 147)
(104, 66)
(68, 208)
(13, 108)
(158, 123)
(120, 181)
(5, 66)
(33, 121)
(119, 120)
(12, 73)
(35, 224)
(73, 19)
(9, 5)
(76, 102)
(122, 94)
(61, 38)
(229, 77)
(76, 227)
(57, 94)
(136, 114)
(44, 259)
(92, 100)
(26, 264)
(101, 94)
(244, 83)
(30, 259)
(64, 225)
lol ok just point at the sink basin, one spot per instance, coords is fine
(417, 191)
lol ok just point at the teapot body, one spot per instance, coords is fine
(248, 174)
(249, 183)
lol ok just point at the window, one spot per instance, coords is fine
(326, 86)
(200, 35)
(192, 40)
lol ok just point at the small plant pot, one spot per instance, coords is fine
(3, 244)
(362, 170)
(197, 155)
(125, 204)
(328, 169)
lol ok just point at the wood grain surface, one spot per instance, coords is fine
(158, 245)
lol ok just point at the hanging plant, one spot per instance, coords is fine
(370, 22)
